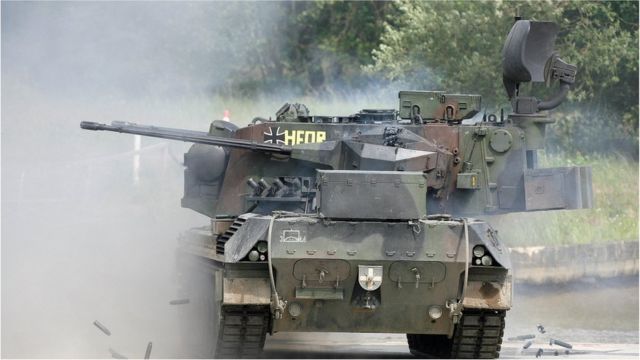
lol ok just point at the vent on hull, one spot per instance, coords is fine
(222, 239)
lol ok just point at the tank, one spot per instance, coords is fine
(370, 222)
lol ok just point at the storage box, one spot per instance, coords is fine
(353, 194)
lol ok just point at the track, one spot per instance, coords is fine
(479, 335)
(242, 331)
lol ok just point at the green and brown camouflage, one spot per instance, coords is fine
(362, 223)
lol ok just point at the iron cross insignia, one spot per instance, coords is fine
(274, 136)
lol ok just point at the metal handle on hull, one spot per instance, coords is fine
(278, 305)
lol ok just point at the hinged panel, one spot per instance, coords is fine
(544, 190)
(310, 269)
(422, 272)
(558, 188)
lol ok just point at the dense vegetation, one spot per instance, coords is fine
(336, 48)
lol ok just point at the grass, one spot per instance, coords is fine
(613, 218)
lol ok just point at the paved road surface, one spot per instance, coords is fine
(394, 346)
(571, 312)
(67, 265)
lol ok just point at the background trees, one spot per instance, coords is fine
(332, 47)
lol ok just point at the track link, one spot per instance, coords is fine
(243, 329)
(478, 335)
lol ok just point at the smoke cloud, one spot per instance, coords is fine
(84, 237)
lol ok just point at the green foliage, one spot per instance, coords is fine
(456, 45)
(332, 48)
(444, 45)
(313, 48)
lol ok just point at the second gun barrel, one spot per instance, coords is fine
(185, 135)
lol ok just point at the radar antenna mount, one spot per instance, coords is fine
(528, 55)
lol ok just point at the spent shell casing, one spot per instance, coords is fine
(560, 343)
(116, 355)
(541, 329)
(147, 354)
(102, 328)
(522, 337)
(179, 302)
(527, 344)
(539, 353)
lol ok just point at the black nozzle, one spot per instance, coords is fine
(253, 184)
(264, 183)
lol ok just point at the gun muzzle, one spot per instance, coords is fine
(90, 125)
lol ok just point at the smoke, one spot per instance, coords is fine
(565, 317)
(126, 49)
(84, 238)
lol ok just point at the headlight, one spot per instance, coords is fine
(295, 309)
(487, 260)
(262, 246)
(254, 255)
(478, 251)
(435, 312)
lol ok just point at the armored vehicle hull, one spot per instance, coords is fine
(447, 303)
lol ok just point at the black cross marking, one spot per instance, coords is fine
(274, 136)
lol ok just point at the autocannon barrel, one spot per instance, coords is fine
(185, 135)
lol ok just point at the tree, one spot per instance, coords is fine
(457, 46)
(311, 47)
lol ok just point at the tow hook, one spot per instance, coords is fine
(455, 310)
